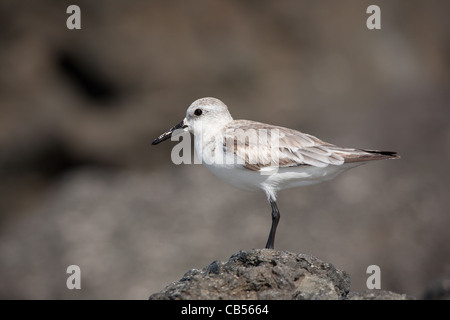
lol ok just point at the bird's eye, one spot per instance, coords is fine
(198, 112)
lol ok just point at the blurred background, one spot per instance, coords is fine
(81, 184)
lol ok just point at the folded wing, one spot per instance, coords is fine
(258, 146)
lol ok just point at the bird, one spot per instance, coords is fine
(255, 156)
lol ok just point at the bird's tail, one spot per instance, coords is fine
(362, 155)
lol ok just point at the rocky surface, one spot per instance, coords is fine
(269, 275)
(378, 295)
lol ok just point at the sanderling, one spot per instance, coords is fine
(256, 156)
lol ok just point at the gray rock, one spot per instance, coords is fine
(268, 275)
(378, 295)
(261, 274)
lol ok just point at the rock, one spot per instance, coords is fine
(268, 275)
(261, 274)
(378, 295)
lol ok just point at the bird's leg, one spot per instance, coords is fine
(275, 218)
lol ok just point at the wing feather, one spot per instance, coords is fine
(262, 146)
(277, 147)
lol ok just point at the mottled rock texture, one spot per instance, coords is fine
(268, 275)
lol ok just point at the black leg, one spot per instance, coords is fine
(275, 218)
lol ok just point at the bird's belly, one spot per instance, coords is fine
(238, 177)
(279, 179)
(292, 177)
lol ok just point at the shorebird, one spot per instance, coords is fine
(256, 156)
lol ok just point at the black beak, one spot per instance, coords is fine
(166, 135)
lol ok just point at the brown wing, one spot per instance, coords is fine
(258, 145)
